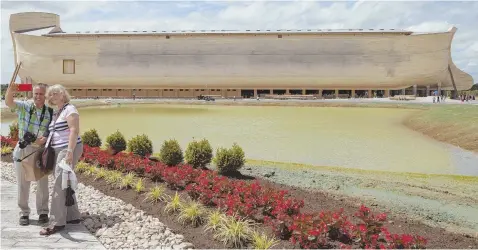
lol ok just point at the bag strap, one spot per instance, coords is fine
(51, 113)
(41, 120)
(42, 116)
(20, 160)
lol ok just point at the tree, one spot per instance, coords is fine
(474, 87)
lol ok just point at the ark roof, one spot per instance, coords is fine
(245, 32)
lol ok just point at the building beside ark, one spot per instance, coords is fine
(189, 63)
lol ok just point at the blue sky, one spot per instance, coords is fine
(426, 16)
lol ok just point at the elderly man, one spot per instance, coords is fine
(33, 121)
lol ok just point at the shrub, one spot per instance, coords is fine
(229, 160)
(199, 153)
(116, 141)
(91, 138)
(13, 133)
(140, 145)
(171, 153)
(242, 200)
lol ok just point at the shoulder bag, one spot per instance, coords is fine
(47, 161)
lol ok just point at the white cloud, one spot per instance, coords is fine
(430, 27)
(106, 15)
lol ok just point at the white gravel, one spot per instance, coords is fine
(115, 223)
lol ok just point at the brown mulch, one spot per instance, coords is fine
(195, 235)
(314, 201)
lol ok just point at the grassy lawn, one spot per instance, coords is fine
(454, 124)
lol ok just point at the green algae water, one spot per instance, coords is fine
(365, 138)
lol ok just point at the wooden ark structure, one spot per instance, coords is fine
(233, 63)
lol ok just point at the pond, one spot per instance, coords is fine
(366, 138)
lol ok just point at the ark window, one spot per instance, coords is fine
(68, 66)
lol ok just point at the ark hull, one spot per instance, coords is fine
(232, 60)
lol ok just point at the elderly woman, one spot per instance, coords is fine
(65, 140)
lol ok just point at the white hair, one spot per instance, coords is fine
(57, 88)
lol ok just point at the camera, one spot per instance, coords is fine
(28, 138)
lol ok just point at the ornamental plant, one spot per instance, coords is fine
(368, 231)
(229, 160)
(235, 231)
(262, 241)
(140, 145)
(309, 231)
(213, 221)
(127, 181)
(91, 138)
(337, 224)
(199, 153)
(101, 173)
(6, 150)
(116, 141)
(156, 194)
(8, 141)
(252, 201)
(174, 204)
(192, 213)
(13, 133)
(171, 153)
(139, 186)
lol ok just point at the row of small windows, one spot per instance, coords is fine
(218, 90)
(182, 31)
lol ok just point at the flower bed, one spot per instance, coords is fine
(7, 141)
(263, 205)
(8, 144)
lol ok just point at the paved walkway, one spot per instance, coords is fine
(14, 236)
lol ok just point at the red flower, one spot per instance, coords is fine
(382, 217)
(250, 199)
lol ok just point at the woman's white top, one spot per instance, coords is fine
(62, 131)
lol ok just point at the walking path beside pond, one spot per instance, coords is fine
(15, 236)
(115, 224)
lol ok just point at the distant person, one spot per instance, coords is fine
(33, 120)
(66, 141)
